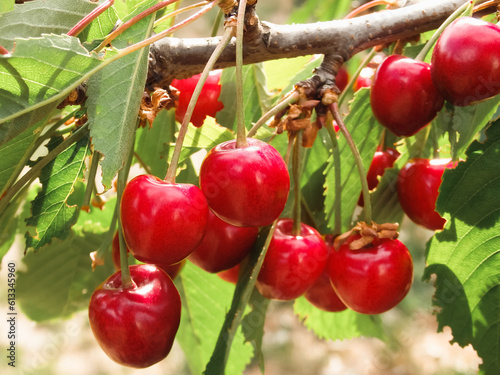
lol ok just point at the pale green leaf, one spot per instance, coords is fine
(115, 95)
(279, 71)
(341, 325)
(465, 256)
(206, 299)
(365, 132)
(59, 281)
(34, 18)
(51, 214)
(7, 6)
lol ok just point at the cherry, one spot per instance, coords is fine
(162, 222)
(364, 78)
(208, 102)
(342, 78)
(466, 61)
(223, 246)
(136, 326)
(171, 269)
(382, 160)
(322, 295)
(230, 275)
(373, 279)
(403, 97)
(418, 188)
(292, 263)
(245, 186)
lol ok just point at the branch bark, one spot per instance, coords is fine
(183, 57)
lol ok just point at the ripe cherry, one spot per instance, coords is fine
(322, 295)
(418, 188)
(382, 160)
(136, 326)
(403, 97)
(208, 102)
(171, 269)
(373, 279)
(364, 78)
(342, 78)
(223, 246)
(292, 263)
(245, 186)
(466, 61)
(230, 275)
(162, 222)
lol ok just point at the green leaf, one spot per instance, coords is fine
(365, 132)
(39, 71)
(9, 221)
(7, 6)
(206, 299)
(100, 27)
(279, 71)
(59, 281)
(34, 18)
(256, 98)
(115, 95)
(465, 256)
(337, 325)
(318, 10)
(385, 201)
(51, 215)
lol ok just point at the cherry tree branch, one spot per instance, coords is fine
(264, 41)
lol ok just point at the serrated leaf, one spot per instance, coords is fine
(337, 325)
(100, 27)
(385, 201)
(115, 95)
(39, 71)
(365, 132)
(34, 18)
(465, 256)
(206, 299)
(256, 99)
(59, 281)
(51, 215)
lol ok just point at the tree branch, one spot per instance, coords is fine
(264, 41)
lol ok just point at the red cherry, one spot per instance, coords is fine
(382, 160)
(293, 263)
(364, 78)
(171, 269)
(373, 279)
(136, 326)
(230, 275)
(162, 222)
(245, 186)
(418, 188)
(466, 61)
(342, 78)
(208, 102)
(403, 97)
(223, 246)
(322, 295)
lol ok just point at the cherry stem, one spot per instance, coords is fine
(175, 13)
(289, 99)
(91, 180)
(124, 26)
(172, 168)
(367, 6)
(359, 163)
(485, 5)
(85, 21)
(337, 208)
(457, 13)
(296, 173)
(363, 64)
(241, 138)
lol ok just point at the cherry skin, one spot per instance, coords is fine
(136, 326)
(364, 78)
(322, 295)
(418, 188)
(403, 97)
(292, 263)
(172, 270)
(245, 186)
(466, 61)
(230, 275)
(223, 246)
(382, 160)
(342, 78)
(373, 279)
(208, 102)
(162, 222)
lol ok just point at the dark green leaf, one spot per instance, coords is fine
(51, 215)
(465, 256)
